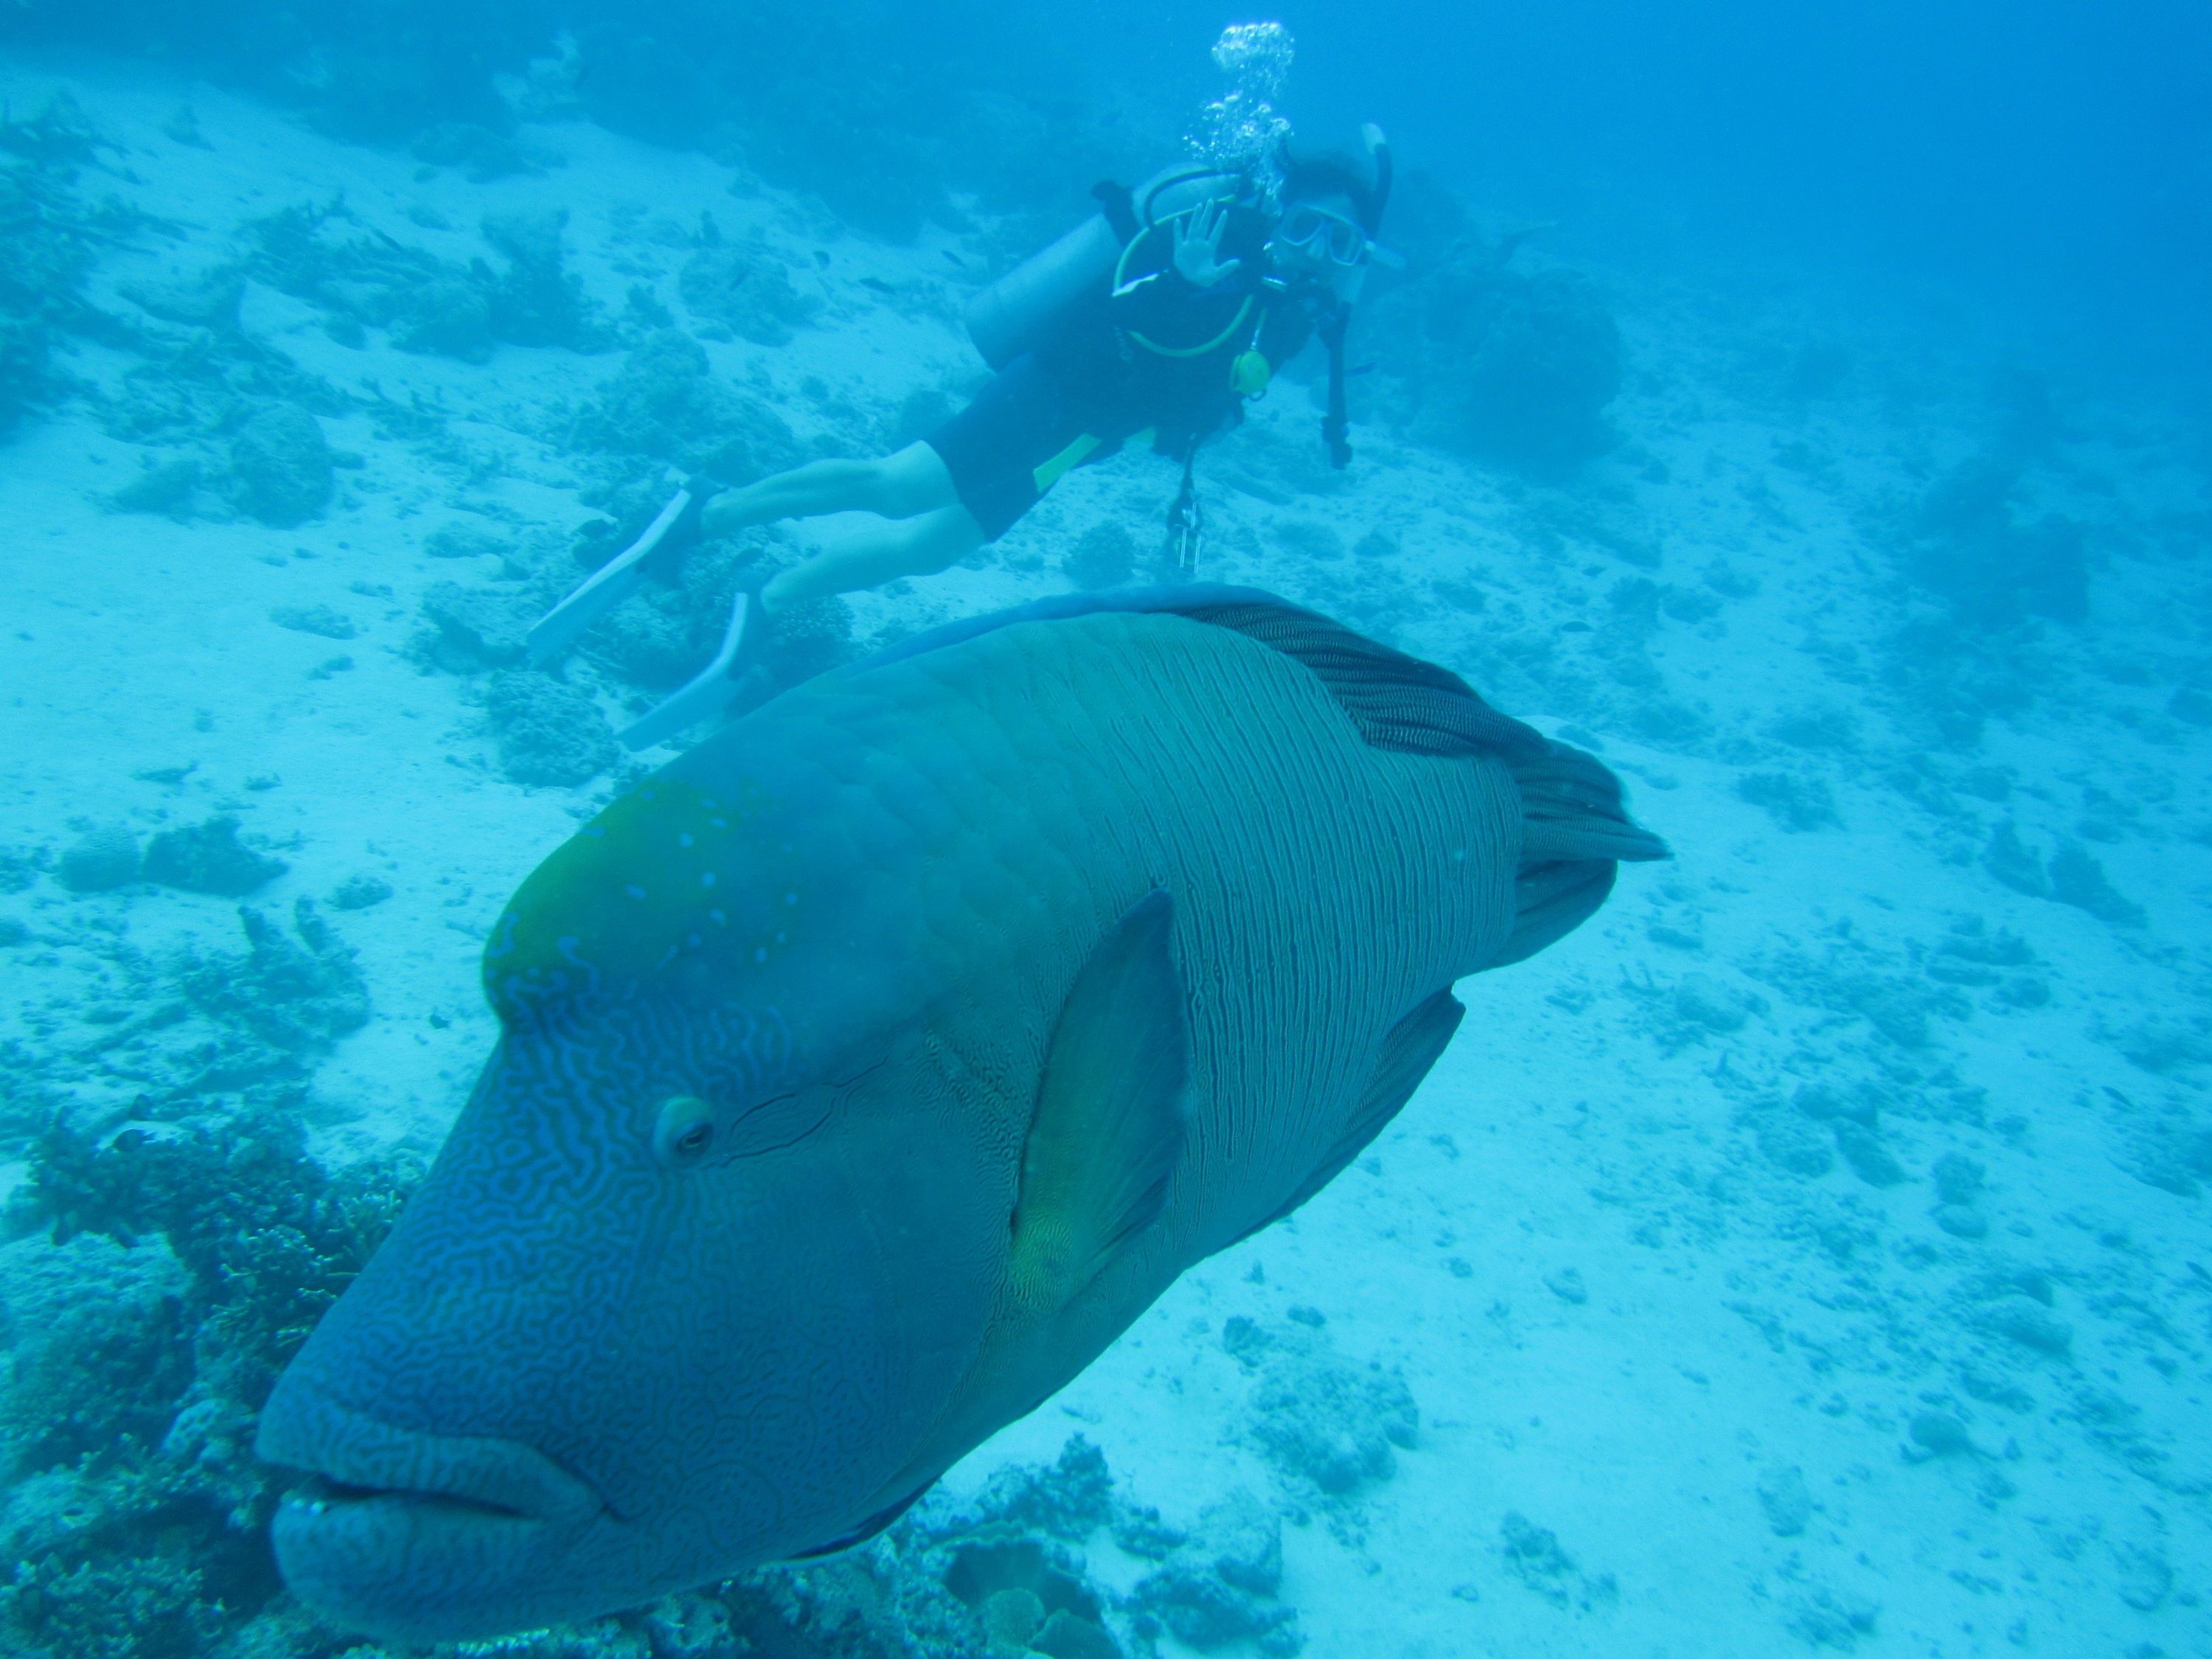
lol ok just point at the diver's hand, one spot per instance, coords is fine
(1198, 246)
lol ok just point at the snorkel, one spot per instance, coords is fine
(1378, 157)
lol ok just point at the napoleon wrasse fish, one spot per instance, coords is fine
(868, 1070)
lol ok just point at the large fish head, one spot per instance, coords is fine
(701, 1262)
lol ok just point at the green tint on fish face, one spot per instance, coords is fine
(667, 884)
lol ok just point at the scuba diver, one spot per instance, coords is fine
(1152, 322)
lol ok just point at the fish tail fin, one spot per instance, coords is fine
(1576, 832)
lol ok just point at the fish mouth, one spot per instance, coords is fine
(319, 1495)
(419, 1537)
(355, 1458)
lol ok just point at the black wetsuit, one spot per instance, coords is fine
(1151, 353)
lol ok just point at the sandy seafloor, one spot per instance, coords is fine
(1643, 1304)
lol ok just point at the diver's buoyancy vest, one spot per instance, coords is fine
(1014, 312)
(1221, 316)
(1010, 316)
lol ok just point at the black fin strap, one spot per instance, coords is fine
(1336, 424)
(1120, 208)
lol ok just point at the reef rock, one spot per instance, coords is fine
(282, 466)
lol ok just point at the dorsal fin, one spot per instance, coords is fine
(1575, 825)
(1397, 702)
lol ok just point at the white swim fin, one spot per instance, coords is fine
(711, 690)
(615, 581)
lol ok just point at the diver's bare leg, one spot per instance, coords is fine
(919, 546)
(897, 487)
(915, 546)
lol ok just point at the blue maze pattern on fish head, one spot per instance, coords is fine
(659, 1255)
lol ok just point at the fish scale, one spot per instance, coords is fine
(1246, 789)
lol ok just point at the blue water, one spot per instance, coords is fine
(1799, 409)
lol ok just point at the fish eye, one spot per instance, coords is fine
(684, 1131)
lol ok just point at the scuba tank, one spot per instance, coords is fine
(1006, 319)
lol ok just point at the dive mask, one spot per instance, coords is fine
(1323, 235)
(1318, 232)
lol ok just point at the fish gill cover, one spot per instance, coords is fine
(1847, 1178)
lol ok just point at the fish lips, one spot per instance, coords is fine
(420, 1537)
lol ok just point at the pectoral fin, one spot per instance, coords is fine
(1108, 1125)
